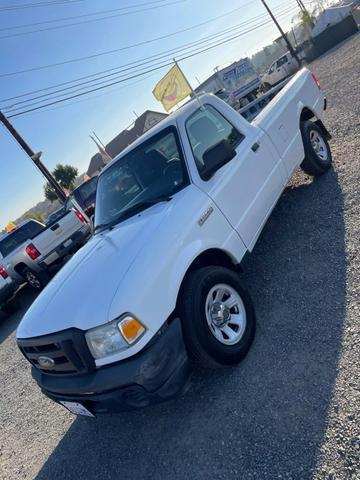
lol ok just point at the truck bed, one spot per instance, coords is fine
(277, 118)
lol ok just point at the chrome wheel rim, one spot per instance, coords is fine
(225, 314)
(33, 280)
(319, 145)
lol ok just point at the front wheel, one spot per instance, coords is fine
(36, 280)
(318, 157)
(217, 316)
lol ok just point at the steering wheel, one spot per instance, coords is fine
(174, 171)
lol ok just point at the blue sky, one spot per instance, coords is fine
(62, 132)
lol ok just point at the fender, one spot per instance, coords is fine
(150, 289)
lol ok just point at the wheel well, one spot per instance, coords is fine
(19, 268)
(307, 114)
(211, 257)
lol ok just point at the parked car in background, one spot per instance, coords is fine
(32, 249)
(8, 288)
(84, 196)
(281, 69)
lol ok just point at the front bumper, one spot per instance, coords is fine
(157, 373)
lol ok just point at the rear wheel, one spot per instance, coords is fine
(318, 156)
(36, 280)
(217, 317)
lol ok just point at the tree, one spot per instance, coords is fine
(65, 175)
(307, 19)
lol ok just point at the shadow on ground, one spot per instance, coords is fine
(266, 418)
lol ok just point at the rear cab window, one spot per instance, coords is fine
(86, 190)
(14, 239)
(205, 129)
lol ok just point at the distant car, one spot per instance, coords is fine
(8, 288)
(53, 217)
(84, 195)
(281, 69)
(32, 249)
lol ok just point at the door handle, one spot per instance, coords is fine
(255, 147)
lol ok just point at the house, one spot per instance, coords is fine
(141, 125)
(329, 17)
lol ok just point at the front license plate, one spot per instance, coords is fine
(77, 409)
(67, 243)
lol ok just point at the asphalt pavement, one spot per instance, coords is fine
(291, 409)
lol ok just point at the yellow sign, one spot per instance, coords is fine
(172, 88)
(10, 227)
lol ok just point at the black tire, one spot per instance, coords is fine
(203, 347)
(36, 280)
(315, 163)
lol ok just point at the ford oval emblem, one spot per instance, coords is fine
(46, 362)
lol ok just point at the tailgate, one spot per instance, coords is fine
(56, 234)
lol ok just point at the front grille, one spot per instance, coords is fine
(66, 352)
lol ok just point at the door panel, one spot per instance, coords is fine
(247, 187)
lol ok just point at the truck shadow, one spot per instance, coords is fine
(266, 418)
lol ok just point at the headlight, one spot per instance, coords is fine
(114, 337)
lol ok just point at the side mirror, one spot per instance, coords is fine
(216, 157)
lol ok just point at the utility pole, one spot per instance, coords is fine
(304, 9)
(301, 5)
(35, 157)
(292, 51)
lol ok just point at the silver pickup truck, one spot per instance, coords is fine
(32, 249)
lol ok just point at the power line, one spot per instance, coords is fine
(170, 62)
(83, 15)
(116, 70)
(9, 8)
(137, 67)
(94, 97)
(108, 52)
(57, 27)
(141, 62)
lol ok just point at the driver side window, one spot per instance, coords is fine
(206, 128)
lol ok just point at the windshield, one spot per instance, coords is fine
(13, 240)
(153, 170)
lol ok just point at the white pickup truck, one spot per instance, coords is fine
(158, 284)
(32, 249)
(281, 69)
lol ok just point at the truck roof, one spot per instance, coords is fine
(170, 120)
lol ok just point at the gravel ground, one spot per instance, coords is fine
(291, 410)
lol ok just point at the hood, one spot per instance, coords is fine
(80, 295)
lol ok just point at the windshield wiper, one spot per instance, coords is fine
(137, 208)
